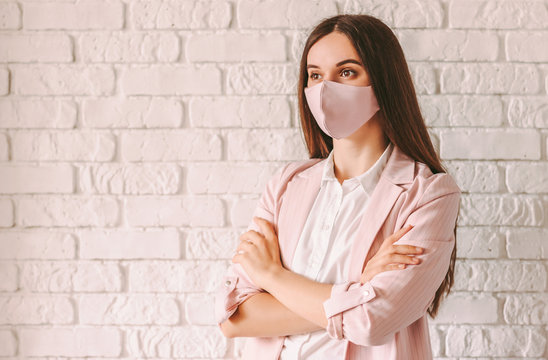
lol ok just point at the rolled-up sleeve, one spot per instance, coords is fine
(236, 286)
(370, 314)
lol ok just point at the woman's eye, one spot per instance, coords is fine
(312, 76)
(345, 70)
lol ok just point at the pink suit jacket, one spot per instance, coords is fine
(384, 318)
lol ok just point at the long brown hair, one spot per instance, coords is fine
(402, 121)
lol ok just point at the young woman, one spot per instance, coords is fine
(348, 250)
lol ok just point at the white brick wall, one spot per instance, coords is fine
(137, 135)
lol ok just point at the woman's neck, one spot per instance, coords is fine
(355, 154)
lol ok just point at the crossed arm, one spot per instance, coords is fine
(264, 315)
(364, 313)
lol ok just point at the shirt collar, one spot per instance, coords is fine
(368, 179)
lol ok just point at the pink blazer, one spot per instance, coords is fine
(384, 318)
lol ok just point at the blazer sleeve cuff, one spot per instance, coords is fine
(228, 297)
(344, 296)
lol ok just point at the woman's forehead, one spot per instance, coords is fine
(331, 49)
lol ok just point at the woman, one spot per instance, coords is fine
(348, 250)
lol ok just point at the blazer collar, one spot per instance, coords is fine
(399, 169)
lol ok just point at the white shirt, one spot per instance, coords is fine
(324, 246)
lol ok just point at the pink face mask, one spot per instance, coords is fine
(341, 109)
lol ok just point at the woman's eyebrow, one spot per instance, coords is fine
(340, 63)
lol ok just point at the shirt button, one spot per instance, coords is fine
(366, 292)
(227, 283)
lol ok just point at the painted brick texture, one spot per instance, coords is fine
(137, 135)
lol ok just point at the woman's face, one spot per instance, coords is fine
(334, 58)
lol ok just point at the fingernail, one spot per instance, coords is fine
(401, 266)
(418, 249)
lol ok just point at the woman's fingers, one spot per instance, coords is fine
(407, 249)
(404, 259)
(252, 236)
(396, 236)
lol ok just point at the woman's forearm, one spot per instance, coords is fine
(263, 315)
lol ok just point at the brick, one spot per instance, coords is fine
(265, 145)
(70, 211)
(21, 113)
(526, 46)
(171, 80)
(24, 48)
(400, 13)
(262, 79)
(436, 339)
(4, 81)
(69, 341)
(176, 342)
(489, 78)
(21, 179)
(132, 113)
(229, 178)
(175, 211)
(70, 276)
(476, 177)
(495, 341)
(501, 210)
(82, 15)
(527, 243)
(480, 309)
(530, 178)
(37, 245)
(170, 146)
(526, 309)
(129, 178)
(236, 47)
(479, 243)
(62, 80)
(10, 17)
(241, 212)
(491, 144)
(297, 40)
(129, 244)
(6, 213)
(36, 309)
(211, 244)
(531, 112)
(198, 309)
(497, 14)
(456, 110)
(247, 112)
(424, 78)
(131, 310)
(8, 280)
(175, 276)
(444, 45)
(283, 13)
(179, 14)
(500, 275)
(73, 145)
(8, 341)
(4, 148)
(129, 47)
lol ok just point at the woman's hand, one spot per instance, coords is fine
(391, 257)
(259, 254)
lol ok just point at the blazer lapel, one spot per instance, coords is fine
(398, 170)
(299, 198)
